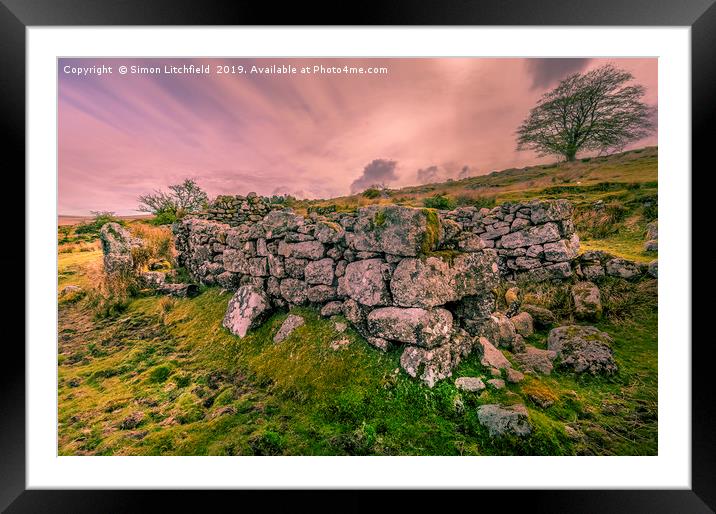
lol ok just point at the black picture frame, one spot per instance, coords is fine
(17, 15)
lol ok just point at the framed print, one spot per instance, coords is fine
(418, 252)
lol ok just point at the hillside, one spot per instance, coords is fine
(145, 374)
(614, 196)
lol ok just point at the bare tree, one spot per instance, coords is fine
(181, 199)
(597, 110)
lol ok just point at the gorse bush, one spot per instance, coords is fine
(440, 201)
(371, 192)
(164, 218)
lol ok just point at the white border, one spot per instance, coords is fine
(670, 469)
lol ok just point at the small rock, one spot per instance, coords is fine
(430, 365)
(339, 326)
(651, 246)
(505, 330)
(246, 310)
(471, 384)
(514, 376)
(518, 344)
(523, 324)
(583, 349)
(587, 301)
(70, 289)
(291, 323)
(379, 343)
(331, 309)
(341, 343)
(223, 411)
(497, 383)
(500, 420)
(536, 360)
(654, 268)
(572, 433)
(491, 356)
(622, 268)
(541, 317)
(542, 401)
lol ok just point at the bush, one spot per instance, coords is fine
(371, 192)
(440, 201)
(93, 227)
(164, 218)
(475, 201)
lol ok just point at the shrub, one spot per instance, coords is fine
(475, 201)
(440, 201)
(93, 227)
(371, 192)
(164, 218)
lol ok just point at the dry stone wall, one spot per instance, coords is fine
(234, 210)
(536, 239)
(417, 278)
(401, 276)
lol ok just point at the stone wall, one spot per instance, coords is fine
(535, 238)
(234, 210)
(400, 275)
(419, 278)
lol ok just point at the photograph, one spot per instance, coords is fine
(374, 256)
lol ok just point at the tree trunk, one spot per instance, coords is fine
(570, 156)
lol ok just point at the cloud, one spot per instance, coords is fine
(379, 171)
(427, 175)
(546, 72)
(120, 136)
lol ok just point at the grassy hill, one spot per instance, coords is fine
(614, 196)
(161, 376)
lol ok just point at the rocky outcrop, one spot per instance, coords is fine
(583, 349)
(117, 244)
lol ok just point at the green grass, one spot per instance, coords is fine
(202, 391)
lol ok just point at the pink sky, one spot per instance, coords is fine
(308, 135)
